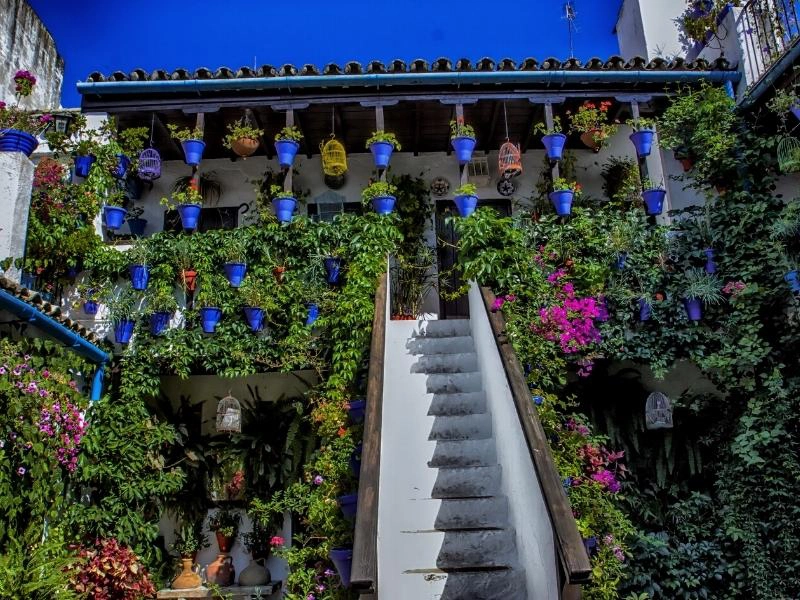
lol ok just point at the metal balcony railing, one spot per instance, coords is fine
(769, 29)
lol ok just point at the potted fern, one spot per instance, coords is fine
(188, 203)
(701, 289)
(191, 141)
(462, 137)
(242, 138)
(466, 199)
(552, 138)
(382, 144)
(287, 143)
(381, 195)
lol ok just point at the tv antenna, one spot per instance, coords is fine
(571, 16)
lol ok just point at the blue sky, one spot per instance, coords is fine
(108, 36)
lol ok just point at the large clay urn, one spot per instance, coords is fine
(221, 570)
(187, 578)
(256, 573)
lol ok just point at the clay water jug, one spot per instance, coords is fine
(221, 570)
(187, 578)
(256, 573)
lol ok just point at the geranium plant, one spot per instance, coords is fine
(560, 184)
(592, 119)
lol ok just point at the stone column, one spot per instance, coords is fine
(16, 184)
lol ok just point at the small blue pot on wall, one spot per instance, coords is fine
(793, 279)
(463, 147)
(159, 321)
(90, 307)
(254, 317)
(313, 313)
(113, 216)
(83, 164)
(381, 153)
(284, 208)
(235, 273)
(466, 204)
(694, 308)
(140, 276)
(137, 226)
(190, 215)
(193, 151)
(357, 410)
(333, 268)
(121, 170)
(562, 201)
(209, 318)
(286, 150)
(15, 140)
(383, 205)
(123, 330)
(349, 505)
(645, 310)
(342, 559)
(643, 141)
(554, 144)
(654, 201)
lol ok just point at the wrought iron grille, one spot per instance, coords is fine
(769, 29)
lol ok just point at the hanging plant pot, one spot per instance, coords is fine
(356, 410)
(159, 321)
(355, 459)
(342, 559)
(562, 201)
(15, 140)
(466, 204)
(113, 216)
(383, 205)
(654, 201)
(694, 308)
(278, 273)
(463, 146)
(349, 505)
(123, 331)
(189, 278)
(643, 141)
(244, 147)
(381, 153)
(313, 313)
(121, 170)
(210, 316)
(711, 266)
(254, 317)
(235, 273)
(137, 226)
(90, 307)
(622, 257)
(593, 139)
(333, 268)
(286, 150)
(793, 279)
(645, 310)
(140, 275)
(554, 144)
(284, 208)
(193, 151)
(83, 164)
(796, 111)
(190, 215)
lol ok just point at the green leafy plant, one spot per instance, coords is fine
(241, 129)
(184, 134)
(649, 184)
(543, 129)
(190, 539)
(621, 182)
(205, 183)
(703, 286)
(187, 196)
(121, 304)
(466, 189)
(377, 189)
(561, 184)
(290, 134)
(461, 129)
(160, 298)
(225, 522)
(641, 124)
(384, 136)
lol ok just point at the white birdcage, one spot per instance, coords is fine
(229, 415)
(658, 411)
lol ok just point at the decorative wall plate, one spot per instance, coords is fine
(440, 186)
(506, 187)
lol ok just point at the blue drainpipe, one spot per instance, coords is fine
(63, 334)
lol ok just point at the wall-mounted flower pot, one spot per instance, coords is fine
(355, 460)
(140, 275)
(313, 313)
(554, 145)
(796, 111)
(793, 279)
(278, 273)
(694, 308)
(333, 268)
(562, 201)
(190, 215)
(592, 139)
(466, 204)
(381, 153)
(90, 307)
(602, 310)
(590, 544)
(114, 216)
(654, 201)
(244, 147)
(643, 141)
(357, 410)
(83, 164)
(189, 277)
(254, 317)
(622, 257)
(121, 168)
(284, 208)
(286, 150)
(342, 559)
(159, 321)
(235, 272)
(123, 331)
(349, 505)
(711, 266)
(645, 310)
(137, 226)
(383, 205)
(14, 140)
(463, 147)
(210, 317)
(193, 151)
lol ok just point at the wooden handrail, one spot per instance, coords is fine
(364, 573)
(569, 545)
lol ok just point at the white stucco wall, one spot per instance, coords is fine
(16, 179)
(649, 28)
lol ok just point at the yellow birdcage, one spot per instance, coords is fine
(334, 157)
(510, 161)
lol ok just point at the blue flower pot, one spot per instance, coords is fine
(357, 410)
(381, 153)
(193, 151)
(711, 266)
(654, 201)
(622, 257)
(137, 226)
(235, 273)
(159, 321)
(123, 331)
(355, 459)
(793, 279)
(140, 275)
(645, 310)
(254, 317)
(28, 280)
(190, 215)
(383, 205)
(349, 505)
(562, 201)
(796, 111)
(14, 140)
(83, 164)
(333, 268)
(694, 308)
(643, 141)
(313, 313)
(463, 147)
(114, 216)
(342, 559)
(554, 144)
(590, 544)
(121, 170)
(287, 150)
(209, 317)
(466, 205)
(284, 208)
(90, 307)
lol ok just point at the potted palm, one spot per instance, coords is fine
(381, 195)
(701, 289)
(591, 121)
(188, 203)
(283, 202)
(121, 306)
(644, 131)
(382, 144)
(191, 141)
(466, 199)
(552, 138)
(563, 194)
(462, 137)
(242, 138)
(653, 195)
(161, 305)
(287, 143)
(139, 269)
(235, 265)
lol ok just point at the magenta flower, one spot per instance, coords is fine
(45, 374)
(607, 479)
(329, 573)
(619, 554)
(21, 471)
(276, 540)
(318, 480)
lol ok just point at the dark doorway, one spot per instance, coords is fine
(448, 256)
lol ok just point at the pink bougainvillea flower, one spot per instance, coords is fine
(276, 540)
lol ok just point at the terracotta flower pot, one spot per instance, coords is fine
(189, 278)
(687, 164)
(187, 578)
(244, 147)
(592, 139)
(224, 542)
(278, 273)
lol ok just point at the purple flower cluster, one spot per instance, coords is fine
(607, 479)
(66, 424)
(501, 300)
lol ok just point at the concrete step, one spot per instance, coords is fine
(453, 383)
(440, 345)
(445, 328)
(473, 513)
(468, 403)
(467, 482)
(497, 584)
(466, 362)
(479, 549)
(463, 427)
(464, 453)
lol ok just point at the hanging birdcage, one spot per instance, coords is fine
(149, 164)
(510, 160)
(334, 158)
(658, 411)
(229, 415)
(789, 154)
